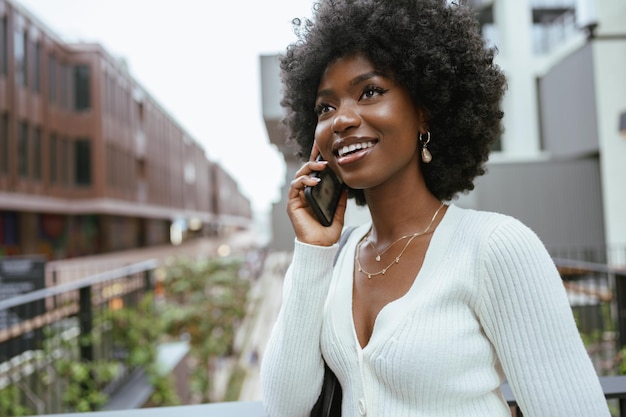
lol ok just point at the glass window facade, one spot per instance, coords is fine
(4, 144)
(82, 96)
(19, 52)
(53, 155)
(63, 96)
(37, 160)
(22, 149)
(37, 67)
(52, 78)
(65, 159)
(4, 48)
(82, 162)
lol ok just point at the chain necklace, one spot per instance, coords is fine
(397, 258)
(379, 254)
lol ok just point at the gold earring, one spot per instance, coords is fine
(426, 155)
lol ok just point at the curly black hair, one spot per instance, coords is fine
(433, 48)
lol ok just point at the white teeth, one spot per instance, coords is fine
(355, 146)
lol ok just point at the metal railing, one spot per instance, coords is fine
(597, 293)
(59, 323)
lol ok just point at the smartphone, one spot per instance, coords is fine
(324, 197)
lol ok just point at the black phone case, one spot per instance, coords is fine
(312, 196)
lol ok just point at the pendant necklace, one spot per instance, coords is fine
(397, 258)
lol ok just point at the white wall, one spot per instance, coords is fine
(610, 80)
(514, 22)
(611, 102)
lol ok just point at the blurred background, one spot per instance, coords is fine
(143, 170)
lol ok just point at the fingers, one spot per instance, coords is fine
(306, 226)
(298, 185)
(311, 166)
(303, 177)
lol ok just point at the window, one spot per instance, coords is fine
(65, 159)
(52, 78)
(19, 50)
(53, 158)
(63, 89)
(82, 162)
(4, 144)
(37, 67)
(22, 150)
(37, 153)
(82, 97)
(109, 164)
(4, 48)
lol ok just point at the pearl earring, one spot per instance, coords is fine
(426, 155)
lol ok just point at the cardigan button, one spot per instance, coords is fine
(362, 408)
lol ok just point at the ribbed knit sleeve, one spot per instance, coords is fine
(292, 367)
(525, 313)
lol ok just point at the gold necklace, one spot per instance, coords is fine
(379, 254)
(397, 258)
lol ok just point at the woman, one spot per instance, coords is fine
(429, 307)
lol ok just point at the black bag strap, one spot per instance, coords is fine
(329, 402)
(342, 241)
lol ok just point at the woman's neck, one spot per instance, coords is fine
(397, 212)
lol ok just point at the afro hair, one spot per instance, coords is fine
(432, 47)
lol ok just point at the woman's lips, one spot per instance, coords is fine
(356, 154)
(354, 147)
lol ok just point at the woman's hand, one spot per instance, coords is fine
(307, 228)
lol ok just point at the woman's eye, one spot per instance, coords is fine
(372, 91)
(322, 108)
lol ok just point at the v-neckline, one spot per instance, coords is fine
(433, 251)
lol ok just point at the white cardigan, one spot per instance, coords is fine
(487, 305)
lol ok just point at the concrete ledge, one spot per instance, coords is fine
(228, 409)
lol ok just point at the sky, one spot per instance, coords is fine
(199, 59)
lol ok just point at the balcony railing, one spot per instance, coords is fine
(597, 294)
(50, 325)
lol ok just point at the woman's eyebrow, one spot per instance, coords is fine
(366, 76)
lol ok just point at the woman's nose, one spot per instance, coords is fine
(345, 118)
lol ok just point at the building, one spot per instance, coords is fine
(89, 161)
(559, 166)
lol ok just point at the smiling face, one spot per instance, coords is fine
(367, 124)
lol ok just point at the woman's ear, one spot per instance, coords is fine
(423, 116)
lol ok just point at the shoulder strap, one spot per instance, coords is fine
(342, 241)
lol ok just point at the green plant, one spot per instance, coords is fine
(10, 405)
(235, 383)
(163, 391)
(205, 301)
(83, 390)
(137, 331)
(83, 380)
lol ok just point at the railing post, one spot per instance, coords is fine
(620, 293)
(85, 317)
(55, 299)
(147, 280)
